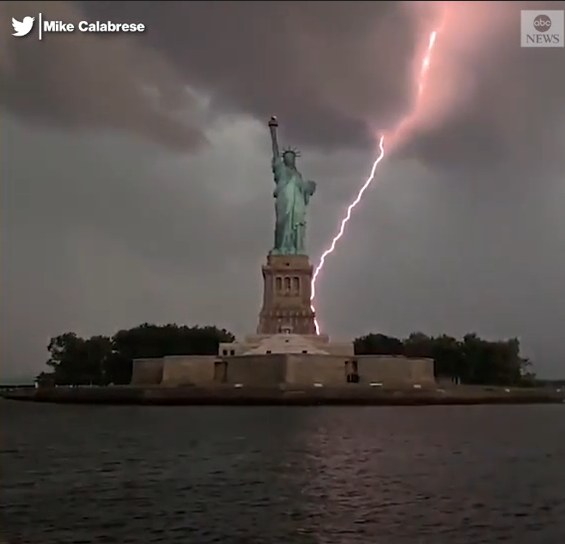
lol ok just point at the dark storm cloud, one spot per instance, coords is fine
(331, 69)
(91, 82)
(316, 65)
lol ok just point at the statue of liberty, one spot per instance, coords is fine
(292, 196)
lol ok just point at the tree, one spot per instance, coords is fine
(147, 341)
(100, 360)
(471, 360)
(378, 344)
(448, 356)
(418, 345)
(66, 350)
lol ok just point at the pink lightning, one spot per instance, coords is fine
(405, 121)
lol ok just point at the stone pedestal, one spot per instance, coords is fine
(287, 281)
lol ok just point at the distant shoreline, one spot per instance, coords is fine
(352, 395)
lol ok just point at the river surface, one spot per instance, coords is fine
(282, 475)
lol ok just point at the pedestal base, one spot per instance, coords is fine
(286, 296)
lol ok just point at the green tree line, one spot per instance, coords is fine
(471, 360)
(101, 360)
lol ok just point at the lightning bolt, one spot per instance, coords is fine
(394, 135)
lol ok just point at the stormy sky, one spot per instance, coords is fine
(136, 185)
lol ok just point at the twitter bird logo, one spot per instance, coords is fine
(22, 28)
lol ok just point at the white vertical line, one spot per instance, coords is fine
(41, 26)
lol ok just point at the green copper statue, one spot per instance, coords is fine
(292, 196)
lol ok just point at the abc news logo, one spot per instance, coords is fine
(542, 23)
(542, 29)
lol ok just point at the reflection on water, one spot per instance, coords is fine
(457, 475)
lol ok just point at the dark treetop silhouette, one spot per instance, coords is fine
(101, 360)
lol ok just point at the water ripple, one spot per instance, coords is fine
(447, 475)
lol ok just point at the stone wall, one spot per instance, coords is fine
(395, 371)
(188, 370)
(266, 370)
(147, 371)
(293, 369)
(311, 368)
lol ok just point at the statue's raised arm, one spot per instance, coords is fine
(273, 124)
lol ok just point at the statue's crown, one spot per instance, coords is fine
(291, 150)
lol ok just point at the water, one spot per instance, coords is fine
(457, 475)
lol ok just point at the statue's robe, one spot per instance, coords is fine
(292, 196)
